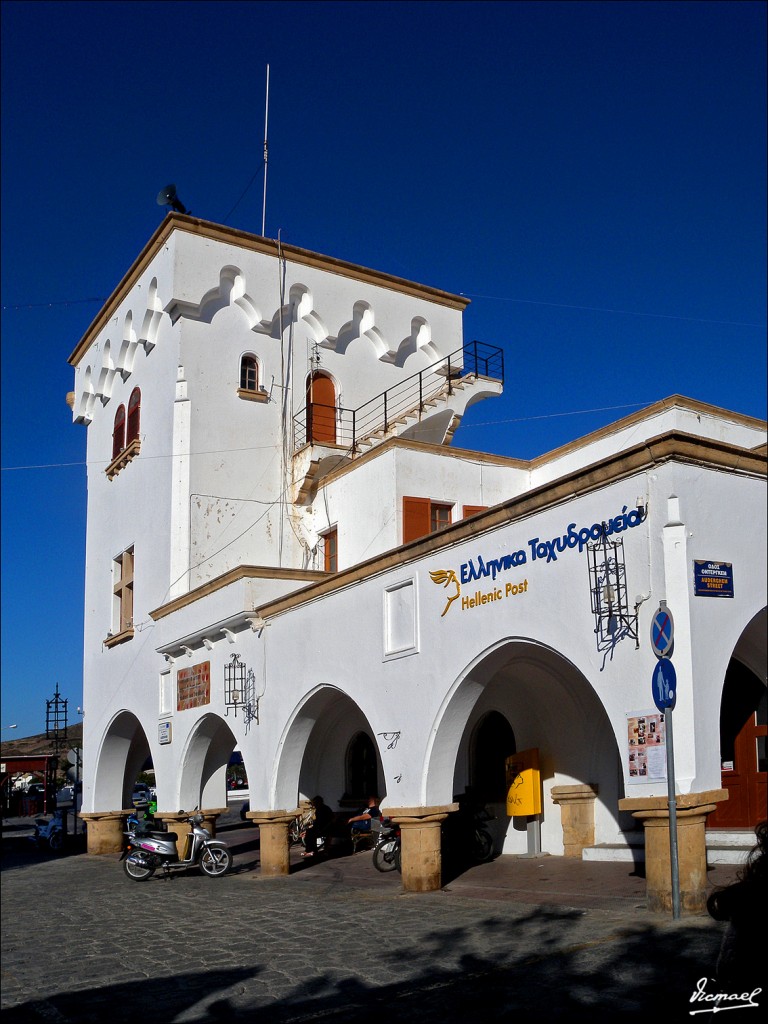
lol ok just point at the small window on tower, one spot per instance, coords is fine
(118, 432)
(134, 417)
(122, 599)
(250, 387)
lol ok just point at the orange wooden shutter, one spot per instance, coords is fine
(415, 518)
(322, 411)
(472, 510)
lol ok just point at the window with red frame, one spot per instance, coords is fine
(134, 416)
(422, 517)
(331, 551)
(118, 432)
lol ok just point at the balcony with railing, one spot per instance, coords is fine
(405, 403)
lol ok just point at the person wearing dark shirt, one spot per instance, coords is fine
(361, 822)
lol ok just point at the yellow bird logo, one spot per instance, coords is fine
(444, 577)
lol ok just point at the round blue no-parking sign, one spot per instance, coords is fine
(662, 632)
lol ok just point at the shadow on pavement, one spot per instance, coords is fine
(532, 974)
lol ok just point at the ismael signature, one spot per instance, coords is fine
(721, 1000)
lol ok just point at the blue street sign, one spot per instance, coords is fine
(662, 632)
(664, 685)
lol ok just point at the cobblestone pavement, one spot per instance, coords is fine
(518, 939)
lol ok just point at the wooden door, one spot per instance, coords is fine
(743, 752)
(321, 410)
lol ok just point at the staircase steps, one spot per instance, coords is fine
(729, 846)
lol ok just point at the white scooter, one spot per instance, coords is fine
(50, 832)
(147, 850)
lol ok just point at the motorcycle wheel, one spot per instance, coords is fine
(137, 867)
(56, 842)
(385, 855)
(215, 861)
(483, 846)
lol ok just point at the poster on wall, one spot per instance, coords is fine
(646, 747)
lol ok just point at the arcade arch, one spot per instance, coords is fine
(314, 752)
(515, 696)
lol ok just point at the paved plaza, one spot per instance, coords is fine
(517, 939)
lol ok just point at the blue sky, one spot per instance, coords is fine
(591, 176)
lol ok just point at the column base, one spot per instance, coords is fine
(274, 850)
(691, 813)
(104, 833)
(420, 851)
(577, 814)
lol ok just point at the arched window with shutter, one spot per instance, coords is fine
(134, 416)
(118, 432)
(249, 373)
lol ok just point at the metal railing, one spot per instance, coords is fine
(326, 424)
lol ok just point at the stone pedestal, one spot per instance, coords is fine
(691, 813)
(577, 814)
(104, 833)
(274, 849)
(179, 823)
(420, 850)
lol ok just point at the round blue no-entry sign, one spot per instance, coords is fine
(664, 685)
(662, 632)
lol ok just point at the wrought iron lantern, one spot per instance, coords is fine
(235, 680)
(608, 589)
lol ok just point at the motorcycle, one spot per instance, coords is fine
(50, 832)
(148, 849)
(465, 836)
(386, 852)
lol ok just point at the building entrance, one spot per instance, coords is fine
(742, 751)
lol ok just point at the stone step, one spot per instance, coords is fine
(723, 847)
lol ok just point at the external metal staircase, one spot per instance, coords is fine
(407, 403)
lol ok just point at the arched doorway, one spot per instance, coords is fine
(362, 770)
(523, 695)
(321, 409)
(743, 728)
(493, 741)
(328, 748)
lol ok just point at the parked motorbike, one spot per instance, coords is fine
(148, 849)
(465, 836)
(50, 832)
(386, 852)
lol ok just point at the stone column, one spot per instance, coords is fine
(420, 851)
(274, 849)
(104, 833)
(179, 824)
(692, 811)
(577, 814)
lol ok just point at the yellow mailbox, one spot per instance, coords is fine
(523, 783)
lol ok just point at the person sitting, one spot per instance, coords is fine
(319, 827)
(361, 822)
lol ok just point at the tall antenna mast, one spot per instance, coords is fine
(266, 154)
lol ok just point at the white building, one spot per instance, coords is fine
(285, 554)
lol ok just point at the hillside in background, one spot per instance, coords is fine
(27, 746)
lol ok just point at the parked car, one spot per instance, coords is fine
(141, 794)
(66, 796)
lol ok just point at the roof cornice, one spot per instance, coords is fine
(258, 244)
